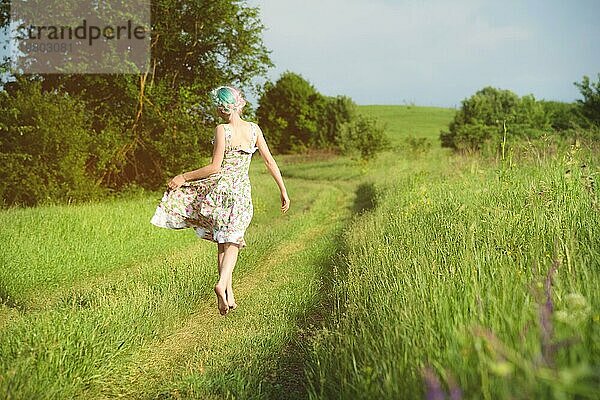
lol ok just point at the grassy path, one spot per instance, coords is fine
(150, 327)
(97, 303)
(207, 345)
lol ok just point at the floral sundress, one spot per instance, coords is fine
(218, 207)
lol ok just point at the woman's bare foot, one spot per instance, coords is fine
(231, 300)
(221, 299)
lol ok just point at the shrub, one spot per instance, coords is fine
(296, 117)
(362, 137)
(337, 112)
(491, 113)
(44, 138)
(563, 116)
(289, 112)
(590, 105)
(416, 145)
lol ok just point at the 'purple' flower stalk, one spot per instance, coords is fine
(433, 386)
(546, 310)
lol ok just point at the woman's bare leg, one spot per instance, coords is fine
(220, 254)
(230, 297)
(225, 275)
(229, 291)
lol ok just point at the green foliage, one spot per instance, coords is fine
(492, 116)
(158, 124)
(143, 129)
(563, 116)
(417, 145)
(489, 114)
(289, 113)
(208, 42)
(44, 138)
(590, 105)
(362, 137)
(339, 111)
(295, 116)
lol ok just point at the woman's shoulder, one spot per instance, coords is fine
(227, 126)
(220, 130)
(254, 125)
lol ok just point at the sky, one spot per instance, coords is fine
(434, 52)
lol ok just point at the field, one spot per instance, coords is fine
(418, 273)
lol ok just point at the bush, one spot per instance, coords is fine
(337, 111)
(563, 116)
(490, 114)
(416, 145)
(295, 116)
(289, 113)
(44, 138)
(362, 137)
(590, 105)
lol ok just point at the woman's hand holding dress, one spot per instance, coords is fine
(176, 182)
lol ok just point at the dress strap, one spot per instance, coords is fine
(254, 133)
(228, 133)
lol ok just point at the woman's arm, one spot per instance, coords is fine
(273, 169)
(212, 168)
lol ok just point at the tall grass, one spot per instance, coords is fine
(482, 278)
(96, 287)
(461, 274)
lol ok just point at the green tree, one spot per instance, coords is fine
(590, 105)
(44, 139)
(563, 116)
(146, 127)
(338, 111)
(483, 117)
(295, 116)
(362, 137)
(289, 111)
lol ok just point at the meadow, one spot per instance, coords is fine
(418, 274)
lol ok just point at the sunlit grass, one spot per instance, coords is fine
(405, 121)
(448, 274)
(413, 262)
(81, 325)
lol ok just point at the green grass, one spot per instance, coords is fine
(447, 274)
(418, 259)
(84, 312)
(405, 121)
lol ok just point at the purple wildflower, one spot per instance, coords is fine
(433, 385)
(546, 310)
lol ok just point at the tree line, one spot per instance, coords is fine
(68, 137)
(488, 117)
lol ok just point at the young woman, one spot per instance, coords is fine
(215, 200)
